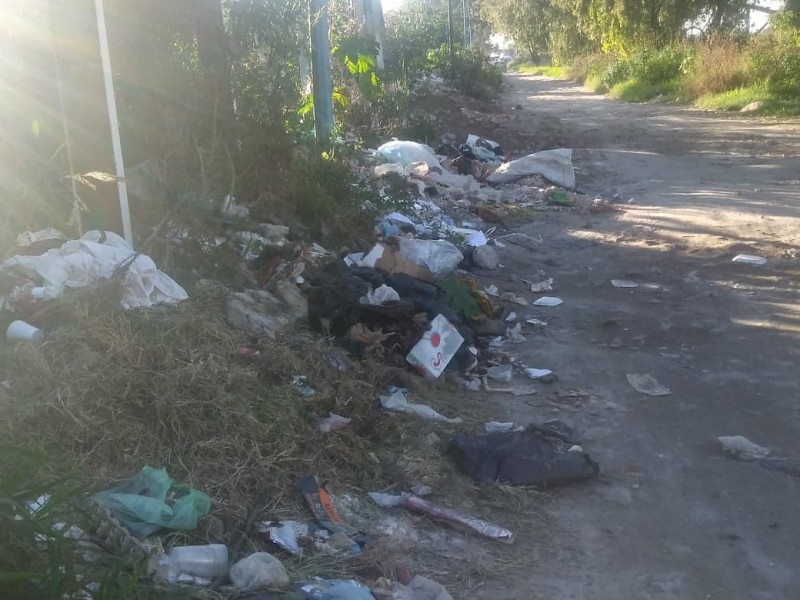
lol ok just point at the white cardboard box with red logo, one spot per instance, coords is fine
(436, 349)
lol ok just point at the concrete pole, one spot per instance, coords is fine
(321, 69)
(116, 144)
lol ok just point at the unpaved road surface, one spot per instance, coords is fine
(671, 517)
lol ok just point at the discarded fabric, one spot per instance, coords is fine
(94, 257)
(554, 165)
(536, 456)
(398, 402)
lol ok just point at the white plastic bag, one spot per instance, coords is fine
(405, 153)
(439, 257)
(553, 165)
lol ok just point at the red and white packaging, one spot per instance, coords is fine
(436, 348)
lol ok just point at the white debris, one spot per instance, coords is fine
(740, 447)
(624, 283)
(750, 259)
(646, 384)
(397, 402)
(538, 373)
(548, 301)
(554, 165)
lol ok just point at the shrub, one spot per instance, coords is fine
(775, 55)
(718, 65)
(659, 66)
(471, 73)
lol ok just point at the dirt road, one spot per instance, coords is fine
(671, 517)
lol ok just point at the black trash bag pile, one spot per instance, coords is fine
(539, 455)
(334, 307)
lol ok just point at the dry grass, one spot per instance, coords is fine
(720, 65)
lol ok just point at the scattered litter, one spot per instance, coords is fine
(554, 165)
(300, 382)
(539, 455)
(333, 422)
(496, 427)
(537, 323)
(406, 153)
(383, 295)
(321, 505)
(740, 447)
(41, 240)
(285, 534)
(194, 564)
(259, 571)
(422, 490)
(538, 373)
(548, 301)
(473, 385)
(334, 589)
(647, 384)
(492, 290)
(793, 253)
(427, 589)
(353, 260)
(96, 256)
(502, 373)
(439, 512)
(512, 297)
(749, 259)
(141, 505)
(398, 402)
(524, 390)
(538, 287)
(439, 257)
(485, 257)
(514, 335)
(261, 314)
(476, 240)
(391, 260)
(436, 349)
(22, 331)
(511, 317)
(624, 283)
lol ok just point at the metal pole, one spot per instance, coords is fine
(469, 23)
(464, 36)
(450, 31)
(114, 122)
(321, 69)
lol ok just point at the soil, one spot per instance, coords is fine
(670, 517)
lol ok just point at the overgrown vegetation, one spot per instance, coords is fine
(672, 51)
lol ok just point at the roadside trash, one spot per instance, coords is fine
(321, 505)
(334, 589)
(439, 257)
(150, 501)
(559, 198)
(96, 256)
(554, 165)
(427, 589)
(337, 360)
(740, 447)
(333, 422)
(497, 427)
(275, 234)
(514, 335)
(22, 331)
(501, 373)
(484, 150)
(539, 455)
(624, 283)
(512, 297)
(537, 323)
(793, 253)
(417, 504)
(749, 259)
(385, 589)
(389, 259)
(548, 301)
(524, 390)
(204, 562)
(476, 240)
(511, 317)
(485, 257)
(545, 285)
(436, 349)
(259, 571)
(300, 382)
(39, 242)
(406, 153)
(538, 373)
(473, 385)
(421, 490)
(383, 295)
(647, 384)
(492, 290)
(259, 313)
(285, 534)
(397, 402)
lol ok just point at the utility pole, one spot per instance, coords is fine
(321, 69)
(450, 31)
(465, 33)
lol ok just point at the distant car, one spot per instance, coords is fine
(501, 59)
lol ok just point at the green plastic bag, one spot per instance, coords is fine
(150, 501)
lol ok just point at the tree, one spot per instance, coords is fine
(527, 22)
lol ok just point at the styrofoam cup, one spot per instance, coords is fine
(20, 330)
